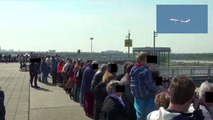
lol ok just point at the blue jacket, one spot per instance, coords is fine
(141, 81)
(44, 67)
(87, 79)
(53, 65)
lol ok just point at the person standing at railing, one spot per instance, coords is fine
(53, 69)
(143, 87)
(206, 103)
(120, 76)
(44, 70)
(85, 89)
(60, 66)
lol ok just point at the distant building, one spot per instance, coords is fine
(11, 50)
(52, 51)
(112, 52)
(3, 50)
(162, 53)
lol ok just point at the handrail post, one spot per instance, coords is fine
(209, 72)
(191, 73)
(172, 72)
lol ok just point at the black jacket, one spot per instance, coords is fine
(112, 110)
(119, 76)
(128, 100)
(2, 107)
(100, 94)
(34, 68)
(96, 80)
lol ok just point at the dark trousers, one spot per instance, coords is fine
(76, 95)
(59, 78)
(65, 80)
(54, 76)
(2, 107)
(97, 109)
(21, 65)
(44, 79)
(33, 77)
(88, 103)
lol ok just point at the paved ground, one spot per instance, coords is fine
(25, 103)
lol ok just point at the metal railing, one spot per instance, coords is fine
(194, 72)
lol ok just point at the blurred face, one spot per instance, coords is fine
(209, 104)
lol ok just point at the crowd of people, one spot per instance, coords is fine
(138, 93)
(8, 58)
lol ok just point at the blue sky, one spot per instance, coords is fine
(68, 25)
(198, 19)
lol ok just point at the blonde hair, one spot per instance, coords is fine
(142, 56)
(107, 77)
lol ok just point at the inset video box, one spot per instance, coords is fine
(182, 19)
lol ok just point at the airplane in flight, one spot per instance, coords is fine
(179, 21)
(185, 21)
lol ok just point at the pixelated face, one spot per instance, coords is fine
(209, 98)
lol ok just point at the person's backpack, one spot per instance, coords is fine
(198, 115)
(183, 117)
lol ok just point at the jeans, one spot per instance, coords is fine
(44, 77)
(54, 76)
(33, 77)
(144, 106)
(81, 99)
(76, 95)
(59, 78)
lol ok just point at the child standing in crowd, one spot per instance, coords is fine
(162, 100)
(142, 87)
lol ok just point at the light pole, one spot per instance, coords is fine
(128, 46)
(91, 47)
(154, 36)
(128, 43)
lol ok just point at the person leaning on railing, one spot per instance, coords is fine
(113, 106)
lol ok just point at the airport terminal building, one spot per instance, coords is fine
(162, 53)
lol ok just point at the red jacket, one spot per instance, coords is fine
(60, 67)
(74, 79)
